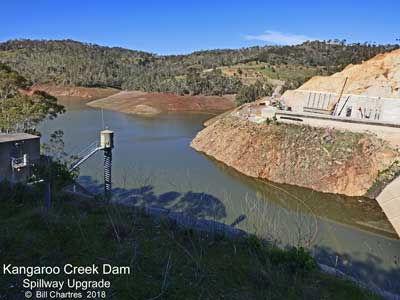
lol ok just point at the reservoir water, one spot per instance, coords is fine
(154, 165)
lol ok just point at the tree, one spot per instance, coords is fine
(252, 92)
(19, 111)
(82, 64)
(10, 82)
(57, 170)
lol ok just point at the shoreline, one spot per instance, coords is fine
(270, 152)
(153, 104)
(146, 104)
(77, 93)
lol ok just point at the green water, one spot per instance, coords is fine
(154, 165)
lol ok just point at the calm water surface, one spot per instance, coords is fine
(154, 165)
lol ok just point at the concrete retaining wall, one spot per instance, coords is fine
(389, 200)
(361, 107)
(387, 131)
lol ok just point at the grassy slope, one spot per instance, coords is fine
(252, 71)
(166, 261)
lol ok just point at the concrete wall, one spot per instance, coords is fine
(319, 101)
(300, 100)
(378, 109)
(362, 107)
(9, 149)
(389, 200)
(295, 99)
(391, 134)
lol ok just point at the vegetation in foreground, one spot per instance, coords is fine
(167, 262)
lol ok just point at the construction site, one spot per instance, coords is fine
(362, 98)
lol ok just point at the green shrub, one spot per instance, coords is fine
(250, 93)
(296, 260)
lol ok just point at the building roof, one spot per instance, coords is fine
(15, 137)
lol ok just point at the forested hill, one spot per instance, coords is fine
(74, 63)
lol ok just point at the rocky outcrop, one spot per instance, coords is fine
(322, 159)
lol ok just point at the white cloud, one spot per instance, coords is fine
(276, 37)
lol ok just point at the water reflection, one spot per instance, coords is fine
(198, 205)
(360, 212)
(153, 165)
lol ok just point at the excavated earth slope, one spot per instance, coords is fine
(322, 159)
(379, 77)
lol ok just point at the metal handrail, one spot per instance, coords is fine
(94, 147)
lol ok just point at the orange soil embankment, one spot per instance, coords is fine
(321, 159)
(150, 104)
(379, 77)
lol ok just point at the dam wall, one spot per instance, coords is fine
(389, 200)
(361, 107)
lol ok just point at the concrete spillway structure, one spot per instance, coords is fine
(355, 107)
(389, 200)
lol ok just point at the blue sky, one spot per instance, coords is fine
(172, 27)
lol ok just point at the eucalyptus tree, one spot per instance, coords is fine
(21, 110)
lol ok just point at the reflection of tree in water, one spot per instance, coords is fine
(360, 212)
(200, 205)
(203, 205)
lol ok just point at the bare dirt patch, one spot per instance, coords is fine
(379, 76)
(150, 104)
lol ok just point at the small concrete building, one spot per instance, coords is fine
(18, 152)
